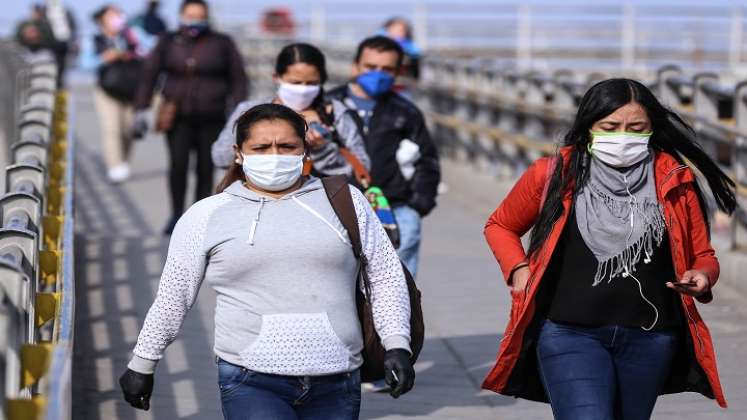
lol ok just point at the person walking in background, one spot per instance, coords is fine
(300, 73)
(63, 25)
(34, 33)
(205, 80)
(150, 23)
(150, 20)
(115, 55)
(404, 160)
(603, 318)
(288, 338)
(400, 30)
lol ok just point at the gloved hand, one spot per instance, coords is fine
(400, 376)
(137, 388)
(140, 124)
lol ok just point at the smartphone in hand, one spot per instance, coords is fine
(321, 129)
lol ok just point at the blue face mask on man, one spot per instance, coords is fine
(375, 83)
(194, 27)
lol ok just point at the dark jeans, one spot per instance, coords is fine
(603, 373)
(249, 395)
(191, 134)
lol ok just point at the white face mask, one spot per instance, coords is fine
(273, 172)
(619, 150)
(298, 97)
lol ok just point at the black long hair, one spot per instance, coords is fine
(243, 126)
(671, 135)
(308, 54)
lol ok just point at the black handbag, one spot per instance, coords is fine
(120, 78)
(373, 352)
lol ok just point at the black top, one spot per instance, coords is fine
(394, 119)
(619, 302)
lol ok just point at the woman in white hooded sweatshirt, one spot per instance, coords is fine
(287, 335)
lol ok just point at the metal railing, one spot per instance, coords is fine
(14, 68)
(492, 115)
(36, 251)
(506, 118)
(539, 34)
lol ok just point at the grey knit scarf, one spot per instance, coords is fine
(619, 216)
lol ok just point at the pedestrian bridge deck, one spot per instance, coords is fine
(120, 253)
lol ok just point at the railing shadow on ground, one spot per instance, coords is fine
(441, 380)
(118, 273)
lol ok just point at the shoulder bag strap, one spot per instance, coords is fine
(359, 170)
(338, 193)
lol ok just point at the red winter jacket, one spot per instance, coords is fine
(515, 372)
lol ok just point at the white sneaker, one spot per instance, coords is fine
(119, 173)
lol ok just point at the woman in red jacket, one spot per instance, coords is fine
(603, 318)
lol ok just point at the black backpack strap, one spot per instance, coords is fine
(338, 193)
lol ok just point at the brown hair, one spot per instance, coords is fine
(244, 124)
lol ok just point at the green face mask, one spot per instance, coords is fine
(620, 150)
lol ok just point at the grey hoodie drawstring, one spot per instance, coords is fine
(255, 222)
(340, 235)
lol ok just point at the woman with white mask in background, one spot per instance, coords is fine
(300, 74)
(288, 339)
(603, 317)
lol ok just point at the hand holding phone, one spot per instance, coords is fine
(693, 283)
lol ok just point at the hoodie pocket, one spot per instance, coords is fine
(297, 344)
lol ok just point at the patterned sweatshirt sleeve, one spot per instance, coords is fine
(353, 138)
(390, 297)
(177, 290)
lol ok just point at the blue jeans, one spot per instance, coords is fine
(603, 373)
(249, 395)
(408, 223)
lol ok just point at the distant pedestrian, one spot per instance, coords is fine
(34, 33)
(115, 56)
(150, 20)
(404, 160)
(205, 80)
(400, 30)
(65, 29)
(603, 318)
(287, 334)
(300, 74)
(150, 23)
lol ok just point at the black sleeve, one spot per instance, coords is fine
(238, 82)
(151, 70)
(427, 175)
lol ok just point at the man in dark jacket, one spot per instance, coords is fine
(404, 160)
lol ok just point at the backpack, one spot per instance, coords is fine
(338, 193)
(373, 193)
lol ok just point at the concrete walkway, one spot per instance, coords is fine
(120, 254)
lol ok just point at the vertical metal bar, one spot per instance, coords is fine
(318, 22)
(420, 23)
(735, 39)
(628, 36)
(524, 36)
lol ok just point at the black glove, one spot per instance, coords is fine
(400, 376)
(137, 388)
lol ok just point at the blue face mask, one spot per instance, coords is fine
(375, 83)
(194, 27)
